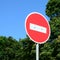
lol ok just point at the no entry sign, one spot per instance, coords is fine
(37, 27)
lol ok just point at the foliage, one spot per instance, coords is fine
(55, 27)
(53, 11)
(53, 8)
(10, 49)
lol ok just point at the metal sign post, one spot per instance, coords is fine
(37, 51)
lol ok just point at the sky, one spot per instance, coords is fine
(13, 14)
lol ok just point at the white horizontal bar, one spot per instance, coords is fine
(37, 28)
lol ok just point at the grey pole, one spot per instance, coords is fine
(37, 51)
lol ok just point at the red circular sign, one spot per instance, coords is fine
(37, 27)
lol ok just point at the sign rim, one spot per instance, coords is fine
(47, 23)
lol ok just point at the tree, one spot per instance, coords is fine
(56, 50)
(55, 27)
(46, 52)
(53, 8)
(28, 50)
(53, 12)
(8, 48)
